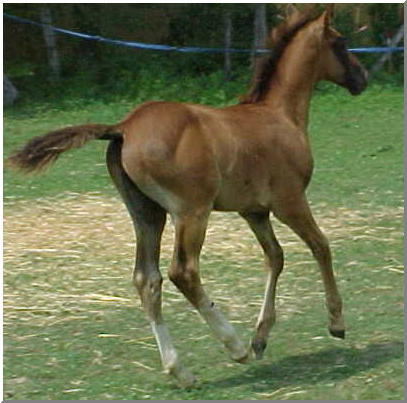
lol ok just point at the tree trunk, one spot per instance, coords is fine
(260, 29)
(227, 45)
(386, 56)
(51, 45)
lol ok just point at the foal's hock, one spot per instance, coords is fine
(254, 158)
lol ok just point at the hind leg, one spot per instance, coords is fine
(149, 221)
(190, 230)
(297, 215)
(274, 261)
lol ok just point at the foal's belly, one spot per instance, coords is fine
(243, 197)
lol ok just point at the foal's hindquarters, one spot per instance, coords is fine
(149, 220)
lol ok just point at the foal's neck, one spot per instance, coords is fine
(291, 86)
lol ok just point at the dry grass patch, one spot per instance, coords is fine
(68, 256)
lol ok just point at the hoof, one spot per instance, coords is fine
(184, 378)
(340, 334)
(258, 348)
(242, 360)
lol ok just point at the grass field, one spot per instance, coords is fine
(73, 327)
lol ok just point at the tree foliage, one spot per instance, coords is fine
(111, 67)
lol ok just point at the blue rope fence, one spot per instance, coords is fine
(182, 49)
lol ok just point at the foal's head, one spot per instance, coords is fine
(306, 45)
(335, 63)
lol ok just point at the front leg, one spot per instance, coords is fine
(274, 262)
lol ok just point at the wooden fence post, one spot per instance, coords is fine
(51, 44)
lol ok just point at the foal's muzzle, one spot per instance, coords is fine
(355, 79)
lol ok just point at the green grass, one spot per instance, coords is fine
(72, 329)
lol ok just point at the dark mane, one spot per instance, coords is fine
(279, 38)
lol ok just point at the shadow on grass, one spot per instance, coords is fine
(328, 365)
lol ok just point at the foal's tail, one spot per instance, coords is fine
(42, 151)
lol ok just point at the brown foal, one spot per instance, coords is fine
(253, 158)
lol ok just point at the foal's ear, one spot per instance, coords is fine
(328, 14)
(324, 20)
(290, 9)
